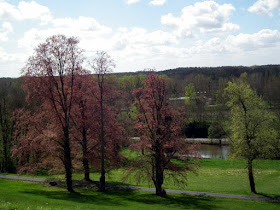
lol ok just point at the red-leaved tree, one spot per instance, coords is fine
(89, 126)
(49, 77)
(160, 140)
(84, 121)
(102, 64)
(36, 142)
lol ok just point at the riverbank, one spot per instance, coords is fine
(200, 140)
(211, 141)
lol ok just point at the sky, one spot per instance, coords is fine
(141, 34)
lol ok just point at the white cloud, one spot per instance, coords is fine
(207, 16)
(81, 24)
(264, 7)
(5, 30)
(91, 33)
(131, 1)
(136, 51)
(141, 37)
(24, 11)
(127, 45)
(157, 2)
(137, 48)
(6, 57)
(33, 10)
(94, 36)
(263, 39)
(8, 11)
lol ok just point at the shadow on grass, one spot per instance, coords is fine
(112, 183)
(78, 197)
(114, 197)
(272, 196)
(171, 201)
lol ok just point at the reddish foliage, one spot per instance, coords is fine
(35, 142)
(49, 79)
(87, 124)
(64, 122)
(159, 129)
(102, 64)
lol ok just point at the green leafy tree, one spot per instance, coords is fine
(190, 94)
(196, 102)
(252, 128)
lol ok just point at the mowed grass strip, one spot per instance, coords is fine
(23, 195)
(214, 175)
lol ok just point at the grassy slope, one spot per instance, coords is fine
(21, 195)
(216, 175)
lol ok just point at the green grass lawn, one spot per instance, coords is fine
(24, 195)
(214, 175)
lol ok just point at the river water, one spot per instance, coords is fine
(209, 148)
(213, 151)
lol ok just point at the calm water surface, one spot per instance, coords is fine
(213, 151)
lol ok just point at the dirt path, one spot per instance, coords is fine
(34, 179)
(221, 195)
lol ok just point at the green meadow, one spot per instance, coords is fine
(213, 175)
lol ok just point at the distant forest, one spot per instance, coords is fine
(211, 81)
(209, 84)
(264, 79)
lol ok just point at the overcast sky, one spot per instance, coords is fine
(141, 34)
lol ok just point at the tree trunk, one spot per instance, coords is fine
(68, 160)
(86, 170)
(102, 177)
(251, 176)
(5, 142)
(85, 156)
(159, 176)
(158, 184)
(4, 131)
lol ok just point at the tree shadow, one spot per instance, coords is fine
(117, 197)
(270, 196)
(78, 197)
(171, 201)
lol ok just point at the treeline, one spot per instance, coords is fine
(208, 111)
(203, 120)
(264, 79)
(208, 82)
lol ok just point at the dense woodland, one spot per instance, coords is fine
(60, 117)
